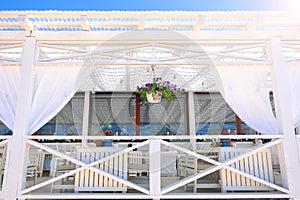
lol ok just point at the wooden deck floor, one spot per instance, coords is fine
(180, 193)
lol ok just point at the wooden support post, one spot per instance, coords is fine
(138, 117)
(85, 120)
(154, 167)
(238, 122)
(192, 120)
(15, 173)
(280, 84)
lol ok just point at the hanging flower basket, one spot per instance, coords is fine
(153, 92)
(153, 99)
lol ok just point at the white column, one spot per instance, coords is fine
(280, 83)
(14, 173)
(192, 120)
(154, 167)
(85, 120)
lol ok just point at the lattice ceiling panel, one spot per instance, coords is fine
(127, 78)
(11, 53)
(147, 20)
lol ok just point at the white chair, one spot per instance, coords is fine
(63, 166)
(138, 164)
(168, 163)
(32, 172)
(189, 165)
(34, 163)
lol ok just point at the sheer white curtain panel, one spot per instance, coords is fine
(245, 90)
(9, 83)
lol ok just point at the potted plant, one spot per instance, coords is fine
(153, 92)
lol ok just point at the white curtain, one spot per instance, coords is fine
(294, 80)
(245, 90)
(54, 87)
(69, 119)
(9, 83)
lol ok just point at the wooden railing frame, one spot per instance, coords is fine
(84, 166)
(164, 192)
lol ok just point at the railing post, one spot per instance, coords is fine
(154, 168)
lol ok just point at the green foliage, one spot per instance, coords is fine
(158, 87)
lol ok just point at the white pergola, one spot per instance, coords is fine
(122, 45)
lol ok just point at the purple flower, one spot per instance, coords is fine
(162, 88)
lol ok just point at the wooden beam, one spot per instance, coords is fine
(85, 118)
(138, 117)
(281, 84)
(238, 121)
(15, 173)
(154, 168)
(191, 118)
(142, 23)
(160, 36)
(84, 23)
(26, 23)
(199, 23)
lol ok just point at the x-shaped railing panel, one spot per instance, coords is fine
(219, 165)
(85, 166)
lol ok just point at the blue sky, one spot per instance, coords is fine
(198, 5)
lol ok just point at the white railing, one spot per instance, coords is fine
(157, 186)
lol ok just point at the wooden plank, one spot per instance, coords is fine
(91, 173)
(251, 168)
(256, 170)
(247, 170)
(96, 175)
(105, 167)
(246, 195)
(233, 175)
(81, 178)
(228, 173)
(242, 168)
(125, 166)
(223, 173)
(260, 165)
(115, 169)
(270, 167)
(101, 177)
(110, 165)
(265, 168)
(238, 176)
(87, 171)
(77, 175)
(111, 170)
